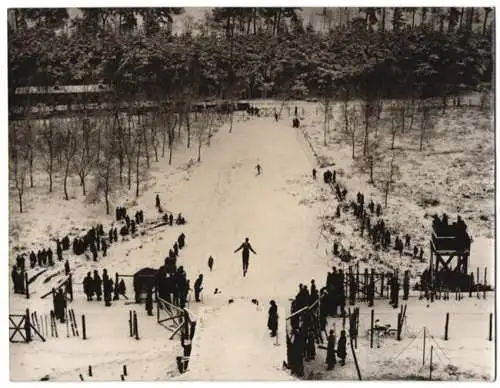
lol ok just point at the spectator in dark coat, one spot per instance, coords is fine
(272, 320)
(331, 360)
(97, 284)
(198, 288)
(341, 348)
(88, 288)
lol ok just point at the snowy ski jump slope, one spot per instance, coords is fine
(223, 201)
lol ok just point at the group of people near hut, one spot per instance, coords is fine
(98, 286)
(171, 282)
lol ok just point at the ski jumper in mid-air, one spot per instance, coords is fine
(245, 254)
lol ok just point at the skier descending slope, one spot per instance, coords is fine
(245, 254)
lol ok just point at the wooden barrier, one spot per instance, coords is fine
(84, 328)
(23, 327)
(490, 330)
(447, 321)
(174, 314)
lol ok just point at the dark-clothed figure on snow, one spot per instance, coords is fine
(210, 263)
(331, 360)
(97, 284)
(341, 348)
(198, 288)
(245, 254)
(272, 320)
(88, 288)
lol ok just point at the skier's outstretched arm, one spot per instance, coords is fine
(241, 246)
(250, 247)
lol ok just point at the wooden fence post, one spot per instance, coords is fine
(471, 282)
(130, 323)
(70, 286)
(485, 282)
(116, 296)
(125, 370)
(26, 285)
(84, 328)
(398, 333)
(490, 331)
(477, 282)
(371, 327)
(423, 347)
(27, 326)
(90, 370)
(446, 326)
(136, 326)
(430, 365)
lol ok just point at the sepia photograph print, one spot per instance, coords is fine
(251, 194)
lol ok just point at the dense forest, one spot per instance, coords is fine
(254, 52)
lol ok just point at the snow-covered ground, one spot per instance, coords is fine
(224, 201)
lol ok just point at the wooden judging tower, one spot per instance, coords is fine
(450, 251)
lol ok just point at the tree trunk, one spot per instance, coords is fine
(383, 19)
(371, 171)
(353, 140)
(460, 24)
(98, 156)
(386, 193)
(20, 196)
(170, 154)
(164, 142)
(82, 183)
(325, 123)
(106, 192)
(231, 120)
(486, 14)
(50, 172)
(66, 173)
(413, 13)
(146, 148)
(188, 126)
(199, 148)
(30, 160)
(137, 159)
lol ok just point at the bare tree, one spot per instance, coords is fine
(155, 142)
(170, 124)
(327, 106)
(369, 108)
(49, 148)
(426, 124)
(30, 142)
(352, 130)
(372, 159)
(69, 150)
(85, 155)
(18, 163)
(392, 173)
(106, 166)
(201, 129)
(138, 143)
(144, 132)
(396, 125)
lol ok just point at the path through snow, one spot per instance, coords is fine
(225, 202)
